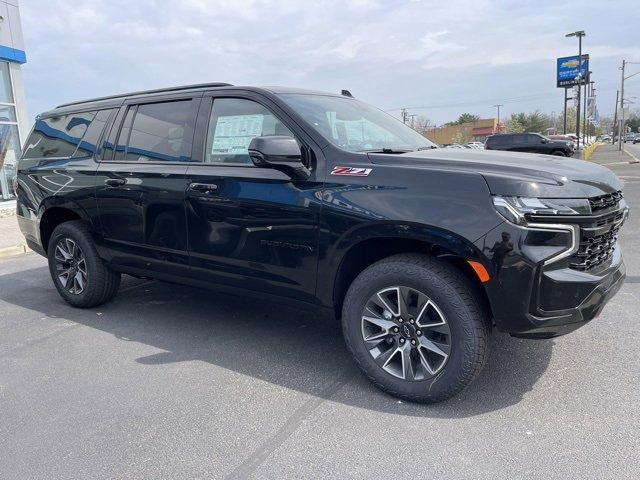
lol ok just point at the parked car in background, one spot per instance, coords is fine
(456, 145)
(629, 137)
(636, 139)
(605, 138)
(529, 142)
(319, 198)
(565, 138)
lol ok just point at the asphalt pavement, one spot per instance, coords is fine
(173, 382)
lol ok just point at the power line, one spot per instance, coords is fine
(524, 98)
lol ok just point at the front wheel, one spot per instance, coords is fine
(558, 153)
(416, 327)
(79, 274)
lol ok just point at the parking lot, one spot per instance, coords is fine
(172, 382)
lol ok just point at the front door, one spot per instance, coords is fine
(250, 227)
(141, 184)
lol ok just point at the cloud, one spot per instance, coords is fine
(390, 52)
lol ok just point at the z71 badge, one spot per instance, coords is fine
(351, 171)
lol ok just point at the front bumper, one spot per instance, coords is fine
(534, 300)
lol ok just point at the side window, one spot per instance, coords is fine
(57, 136)
(504, 140)
(234, 122)
(159, 132)
(125, 131)
(89, 143)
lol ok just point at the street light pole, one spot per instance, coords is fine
(579, 34)
(564, 120)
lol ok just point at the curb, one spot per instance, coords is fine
(635, 159)
(14, 251)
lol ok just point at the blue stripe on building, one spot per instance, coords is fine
(12, 54)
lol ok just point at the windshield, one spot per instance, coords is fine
(355, 126)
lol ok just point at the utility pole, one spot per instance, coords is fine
(621, 126)
(584, 111)
(498, 107)
(579, 34)
(623, 78)
(403, 113)
(412, 122)
(592, 96)
(615, 117)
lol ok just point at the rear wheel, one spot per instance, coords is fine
(416, 327)
(79, 274)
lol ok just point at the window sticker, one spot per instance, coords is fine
(234, 133)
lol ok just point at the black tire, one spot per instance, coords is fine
(455, 297)
(101, 284)
(558, 153)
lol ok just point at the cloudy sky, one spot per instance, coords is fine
(437, 58)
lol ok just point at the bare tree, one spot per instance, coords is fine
(422, 124)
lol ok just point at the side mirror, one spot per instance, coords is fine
(280, 153)
(544, 140)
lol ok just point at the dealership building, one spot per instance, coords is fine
(13, 113)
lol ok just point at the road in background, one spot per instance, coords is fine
(172, 382)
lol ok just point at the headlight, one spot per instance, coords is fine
(515, 209)
(519, 210)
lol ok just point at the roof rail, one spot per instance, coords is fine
(143, 92)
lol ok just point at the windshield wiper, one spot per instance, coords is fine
(386, 150)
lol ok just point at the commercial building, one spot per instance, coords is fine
(13, 113)
(476, 131)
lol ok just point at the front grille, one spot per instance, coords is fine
(594, 251)
(603, 202)
(598, 240)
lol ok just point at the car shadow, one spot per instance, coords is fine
(286, 346)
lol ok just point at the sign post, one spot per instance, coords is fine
(573, 71)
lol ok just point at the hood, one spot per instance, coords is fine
(560, 143)
(515, 174)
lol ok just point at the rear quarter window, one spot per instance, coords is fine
(498, 141)
(57, 136)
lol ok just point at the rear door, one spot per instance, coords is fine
(141, 183)
(251, 227)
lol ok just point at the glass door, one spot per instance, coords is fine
(9, 139)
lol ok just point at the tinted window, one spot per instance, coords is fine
(233, 124)
(125, 131)
(89, 142)
(57, 136)
(111, 136)
(501, 141)
(161, 132)
(520, 139)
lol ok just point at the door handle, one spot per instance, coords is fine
(114, 182)
(204, 187)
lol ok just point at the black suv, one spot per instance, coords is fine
(529, 142)
(322, 199)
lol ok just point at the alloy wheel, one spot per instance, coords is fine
(406, 333)
(71, 266)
